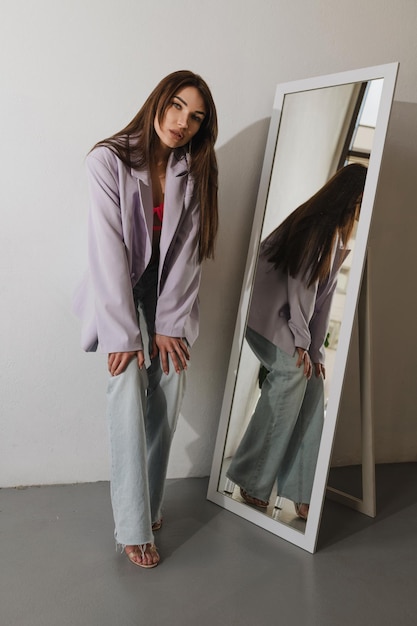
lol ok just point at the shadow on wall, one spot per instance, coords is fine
(240, 163)
(393, 293)
(393, 308)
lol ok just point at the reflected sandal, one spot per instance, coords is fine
(262, 504)
(301, 515)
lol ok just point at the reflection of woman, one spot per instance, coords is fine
(153, 219)
(288, 319)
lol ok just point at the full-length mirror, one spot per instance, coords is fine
(299, 297)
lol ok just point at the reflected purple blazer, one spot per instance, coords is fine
(288, 313)
(120, 230)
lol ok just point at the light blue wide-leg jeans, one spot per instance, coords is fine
(164, 398)
(129, 485)
(296, 474)
(282, 438)
(142, 411)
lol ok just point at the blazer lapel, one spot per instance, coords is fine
(175, 193)
(146, 204)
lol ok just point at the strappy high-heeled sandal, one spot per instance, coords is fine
(157, 525)
(140, 551)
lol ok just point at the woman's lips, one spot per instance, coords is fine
(176, 135)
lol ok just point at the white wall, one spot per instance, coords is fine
(74, 71)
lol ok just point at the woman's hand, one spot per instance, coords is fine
(117, 362)
(305, 361)
(320, 370)
(175, 347)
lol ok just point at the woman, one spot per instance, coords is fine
(152, 221)
(295, 280)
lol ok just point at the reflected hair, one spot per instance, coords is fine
(303, 244)
(136, 144)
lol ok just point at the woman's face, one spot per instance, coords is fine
(182, 119)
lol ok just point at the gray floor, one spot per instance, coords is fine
(58, 565)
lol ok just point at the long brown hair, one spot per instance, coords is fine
(135, 146)
(303, 243)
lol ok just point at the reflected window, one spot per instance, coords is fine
(362, 133)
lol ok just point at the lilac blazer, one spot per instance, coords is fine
(120, 229)
(288, 313)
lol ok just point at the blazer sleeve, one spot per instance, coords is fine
(115, 312)
(319, 325)
(320, 321)
(177, 306)
(301, 300)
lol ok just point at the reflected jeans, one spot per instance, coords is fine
(283, 436)
(142, 412)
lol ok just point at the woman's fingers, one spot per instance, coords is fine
(308, 369)
(320, 370)
(181, 352)
(305, 361)
(172, 349)
(140, 359)
(117, 362)
(302, 357)
(163, 353)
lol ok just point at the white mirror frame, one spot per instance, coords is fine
(308, 539)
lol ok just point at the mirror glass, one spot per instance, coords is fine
(318, 126)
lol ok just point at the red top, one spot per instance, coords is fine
(158, 214)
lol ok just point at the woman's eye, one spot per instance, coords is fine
(176, 105)
(198, 119)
